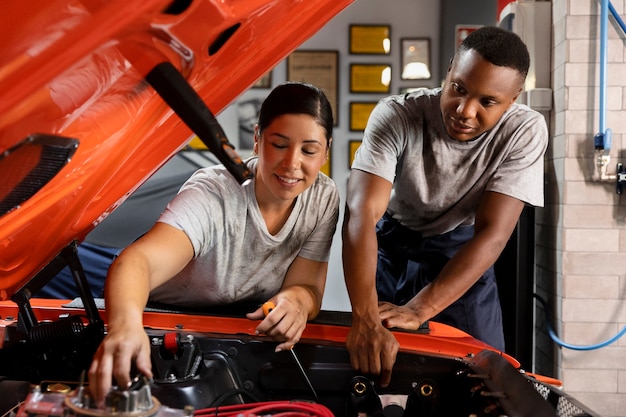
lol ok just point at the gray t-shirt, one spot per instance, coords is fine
(438, 181)
(236, 258)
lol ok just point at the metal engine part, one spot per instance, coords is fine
(137, 401)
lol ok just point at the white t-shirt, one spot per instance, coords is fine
(437, 180)
(236, 258)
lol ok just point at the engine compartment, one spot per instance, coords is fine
(212, 363)
(201, 373)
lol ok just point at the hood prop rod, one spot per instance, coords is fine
(67, 257)
(174, 89)
(70, 254)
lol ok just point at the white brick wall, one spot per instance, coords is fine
(581, 235)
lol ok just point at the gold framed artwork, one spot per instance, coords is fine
(360, 113)
(415, 63)
(196, 144)
(264, 82)
(370, 78)
(326, 168)
(370, 39)
(317, 67)
(353, 145)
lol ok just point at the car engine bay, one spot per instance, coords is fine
(43, 363)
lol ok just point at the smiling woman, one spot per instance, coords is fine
(221, 243)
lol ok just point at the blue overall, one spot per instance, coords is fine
(407, 262)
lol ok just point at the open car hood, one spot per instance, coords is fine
(84, 119)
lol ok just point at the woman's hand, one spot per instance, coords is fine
(114, 358)
(283, 320)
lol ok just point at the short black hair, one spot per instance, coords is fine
(500, 47)
(297, 98)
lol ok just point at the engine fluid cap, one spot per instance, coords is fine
(171, 342)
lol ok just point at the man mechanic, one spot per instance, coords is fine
(435, 191)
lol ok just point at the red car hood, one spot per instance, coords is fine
(81, 128)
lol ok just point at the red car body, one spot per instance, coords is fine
(76, 69)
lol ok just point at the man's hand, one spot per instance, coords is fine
(401, 317)
(372, 349)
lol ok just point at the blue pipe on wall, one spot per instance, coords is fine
(617, 17)
(602, 140)
(555, 338)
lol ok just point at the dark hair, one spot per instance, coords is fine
(297, 98)
(500, 47)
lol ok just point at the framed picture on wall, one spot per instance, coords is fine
(264, 82)
(370, 78)
(326, 168)
(320, 68)
(359, 113)
(247, 116)
(370, 39)
(415, 58)
(353, 145)
(461, 32)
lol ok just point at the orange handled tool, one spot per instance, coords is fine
(267, 307)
